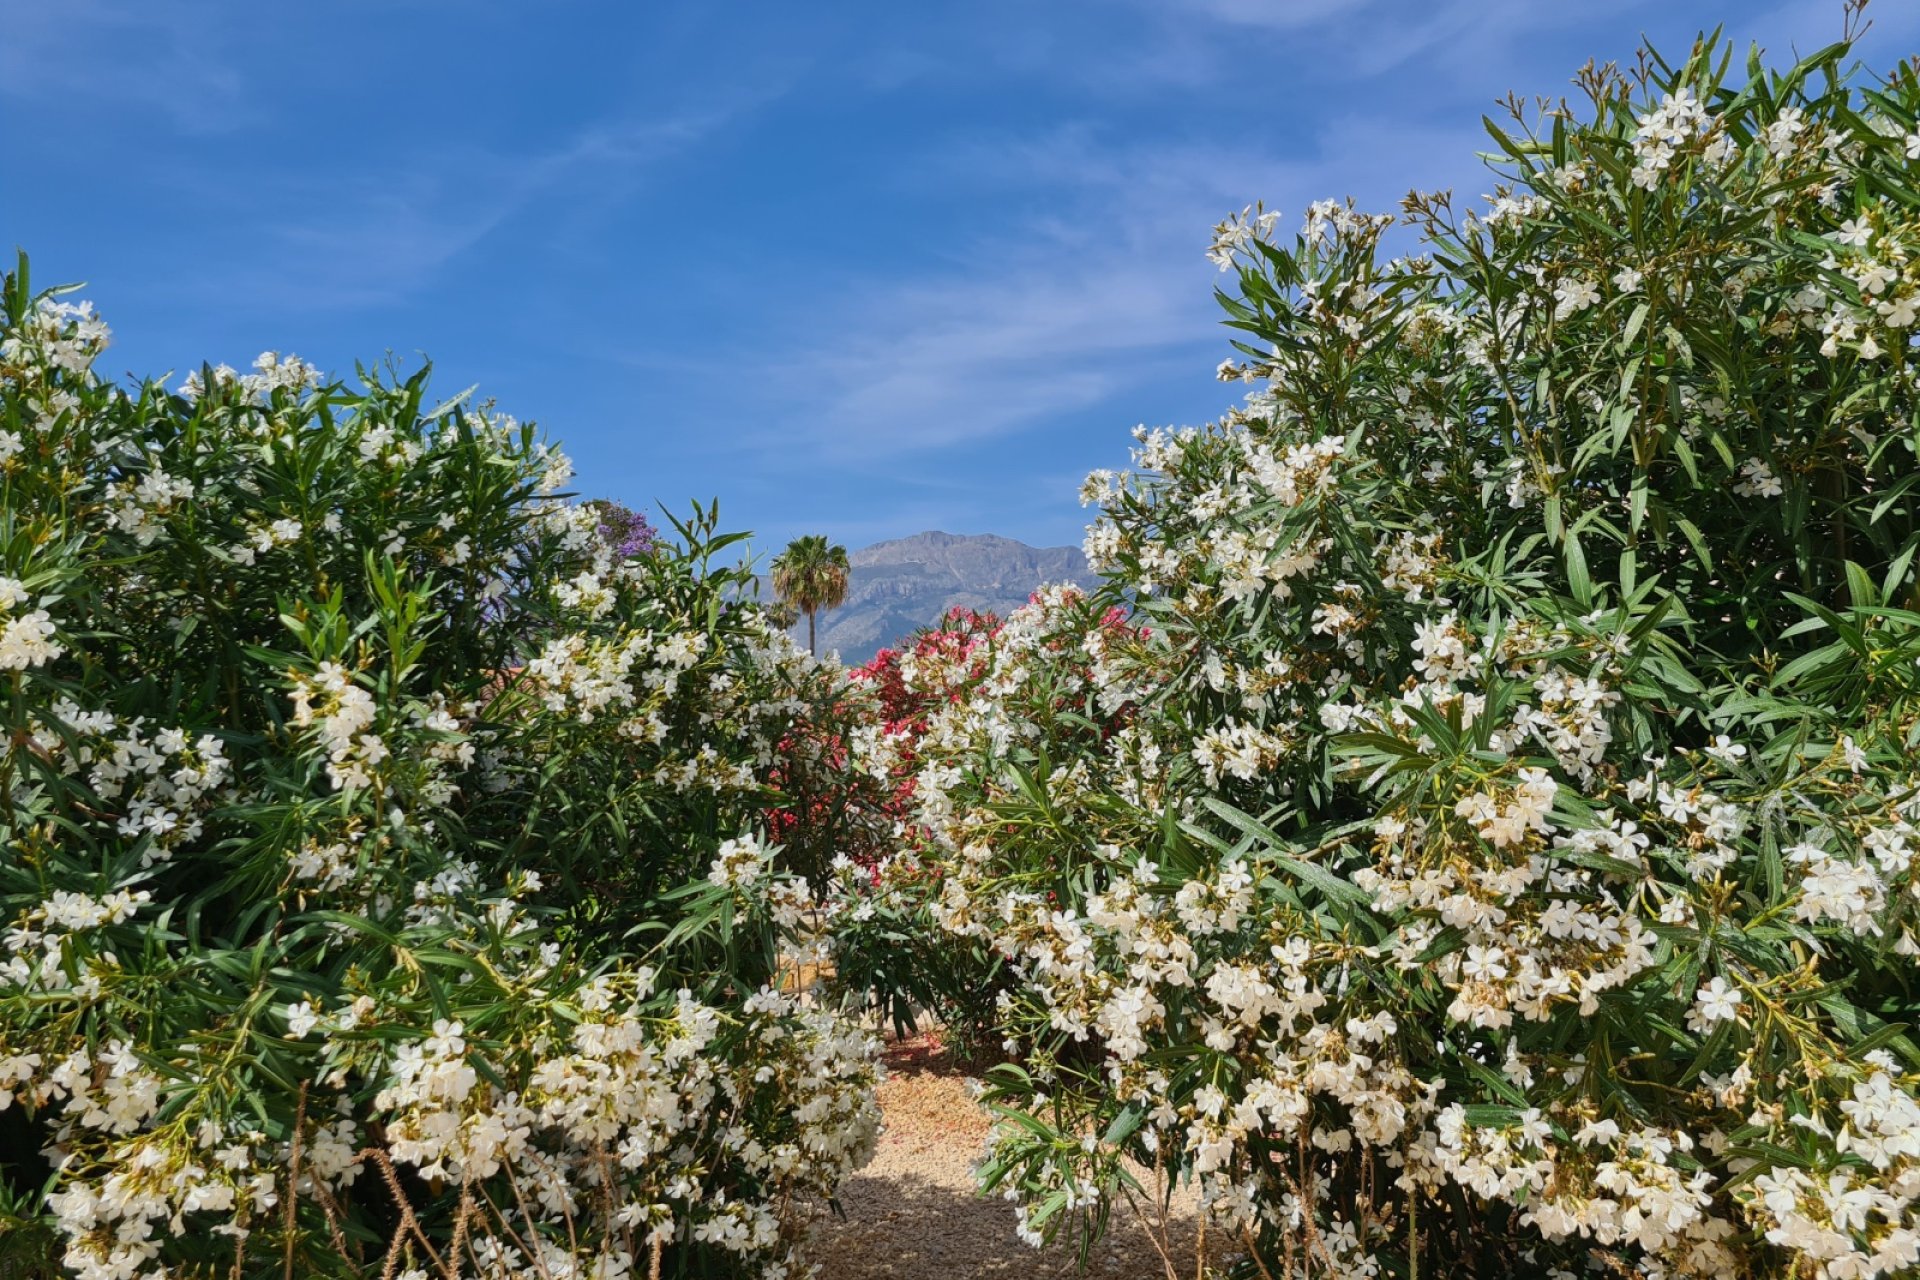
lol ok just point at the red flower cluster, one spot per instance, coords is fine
(952, 651)
(825, 798)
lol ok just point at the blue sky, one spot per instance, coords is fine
(854, 268)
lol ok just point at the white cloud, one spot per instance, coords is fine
(969, 361)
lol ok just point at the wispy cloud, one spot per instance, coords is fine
(1275, 15)
(1107, 294)
(173, 63)
(991, 357)
(381, 237)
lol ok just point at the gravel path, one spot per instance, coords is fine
(913, 1213)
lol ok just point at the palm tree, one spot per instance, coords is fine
(811, 575)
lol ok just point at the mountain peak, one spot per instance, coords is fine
(919, 546)
(900, 585)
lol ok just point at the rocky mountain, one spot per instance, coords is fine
(899, 586)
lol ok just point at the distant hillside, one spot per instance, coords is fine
(900, 586)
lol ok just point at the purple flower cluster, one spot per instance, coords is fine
(627, 531)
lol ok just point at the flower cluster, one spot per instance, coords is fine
(26, 628)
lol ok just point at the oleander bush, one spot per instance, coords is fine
(1487, 843)
(889, 956)
(386, 886)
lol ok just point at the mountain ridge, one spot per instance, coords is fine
(899, 585)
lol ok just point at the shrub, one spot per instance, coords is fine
(385, 886)
(1501, 856)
